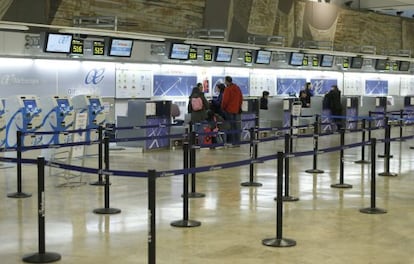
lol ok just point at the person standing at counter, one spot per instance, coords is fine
(264, 100)
(197, 105)
(306, 94)
(332, 101)
(231, 106)
(216, 102)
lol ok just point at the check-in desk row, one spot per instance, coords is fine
(280, 110)
(29, 114)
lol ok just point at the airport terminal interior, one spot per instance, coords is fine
(101, 92)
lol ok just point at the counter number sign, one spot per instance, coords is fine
(77, 46)
(208, 54)
(192, 55)
(98, 48)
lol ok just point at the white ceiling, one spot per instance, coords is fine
(390, 7)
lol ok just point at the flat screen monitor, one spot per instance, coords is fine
(58, 43)
(29, 104)
(179, 51)
(224, 54)
(296, 58)
(327, 60)
(356, 62)
(381, 64)
(404, 66)
(62, 103)
(120, 47)
(263, 57)
(94, 102)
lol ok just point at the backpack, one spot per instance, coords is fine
(196, 103)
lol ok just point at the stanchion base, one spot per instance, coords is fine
(251, 184)
(107, 211)
(186, 223)
(275, 242)
(196, 195)
(362, 162)
(385, 156)
(341, 185)
(390, 174)
(314, 171)
(289, 199)
(19, 195)
(370, 210)
(46, 257)
(98, 183)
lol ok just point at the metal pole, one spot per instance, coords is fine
(315, 147)
(193, 193)
(152, 176)
(372, 209)
(362, 160)
(286, 196)
(41, 256)
(100, 181)
(341, 183)
(19, 193)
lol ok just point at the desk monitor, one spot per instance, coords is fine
(29, 104)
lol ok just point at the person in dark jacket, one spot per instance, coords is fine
(264, 100)
(216, 102)
(306, 94)
(332, 101)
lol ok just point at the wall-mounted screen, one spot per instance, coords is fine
(263, 57)
(77, 46)
(58, 43)
(381, 64)
(404, 66)
(224, 54)
(356, 62)
(296, 59)
(120, 47)
(29, 104)
(327, 60)
(179, 51)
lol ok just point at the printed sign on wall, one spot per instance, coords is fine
(242, 82)
(323, 86)
(173, 85)
(286, 86)
(376, 87)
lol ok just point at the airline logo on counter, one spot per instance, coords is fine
(95, 76)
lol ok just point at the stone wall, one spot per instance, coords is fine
(296, 20)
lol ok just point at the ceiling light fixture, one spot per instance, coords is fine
(235, 45)
(13, 26)
(110, 33)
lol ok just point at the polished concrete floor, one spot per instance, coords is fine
(325, 223)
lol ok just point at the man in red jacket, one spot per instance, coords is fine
(231, 105)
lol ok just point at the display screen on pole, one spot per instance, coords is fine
(263, 57)
(179, 51)
(224, 54)
(327, 60)
(296, 58)
(58, 43)
(120, 47)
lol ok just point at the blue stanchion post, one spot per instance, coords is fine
(315, 147)
(387, 147)
(185, 222)
(373, 209)
(286, 196)
(106, 209)
(253, 157)
(41, 256)
(100, 181)
(362, 160)
(341, 183)
(152, 176)
(279, 241)
(192, 147)
(387, 139)
(19, 193)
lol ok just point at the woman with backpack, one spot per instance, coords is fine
(197, 105)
